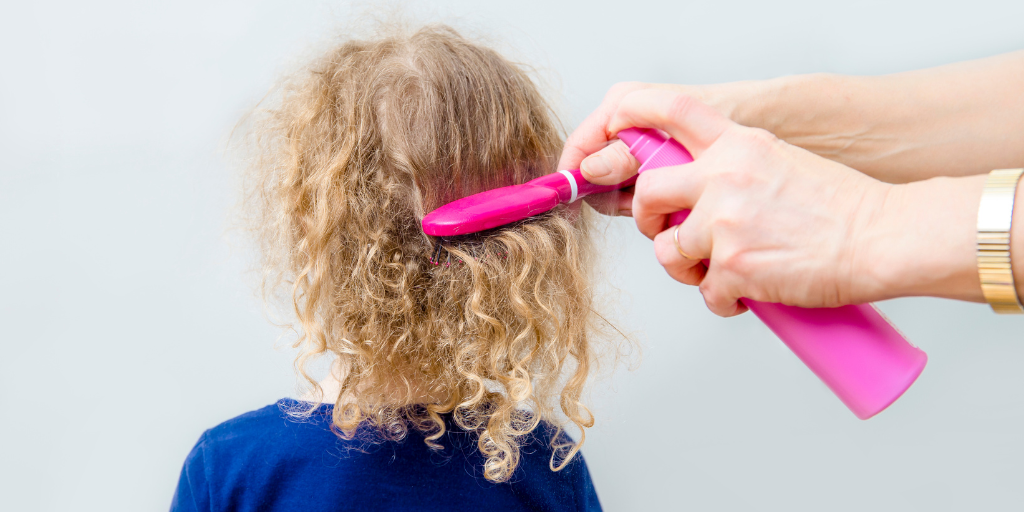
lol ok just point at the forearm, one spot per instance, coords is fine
(956, 120)
(923, 241)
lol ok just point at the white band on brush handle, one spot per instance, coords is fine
(572, 184)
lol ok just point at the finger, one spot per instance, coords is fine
(610, 165)
(694, 237)
(718, 296)
(692, 242)
(693, 124)
(592, 134)
(616, 202)
(665, 190)
(690, 276)
(685, 270)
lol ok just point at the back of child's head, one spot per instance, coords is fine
(353, 151)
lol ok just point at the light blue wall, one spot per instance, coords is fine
(129, 325)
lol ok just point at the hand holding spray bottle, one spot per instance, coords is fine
(853, 349)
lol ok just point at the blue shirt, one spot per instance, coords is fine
(266, 460)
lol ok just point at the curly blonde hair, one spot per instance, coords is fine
(350, 154)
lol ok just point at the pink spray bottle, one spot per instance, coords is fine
(853, 349)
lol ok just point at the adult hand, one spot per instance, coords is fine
(778, 223)
(741, 101)
(783, 225)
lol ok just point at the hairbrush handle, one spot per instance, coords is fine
(502, 206)
(571, 185)
(853, 349)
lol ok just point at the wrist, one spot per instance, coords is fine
(800, 109)
(922, 241)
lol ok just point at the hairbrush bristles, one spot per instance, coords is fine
(472, 245)
(435, 258)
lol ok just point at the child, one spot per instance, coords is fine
(452, 356)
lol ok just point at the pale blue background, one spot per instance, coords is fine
(129, 325)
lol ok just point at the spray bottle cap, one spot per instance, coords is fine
(643, 143)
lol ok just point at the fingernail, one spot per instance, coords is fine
(596, 166)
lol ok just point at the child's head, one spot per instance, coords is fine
(356, 149)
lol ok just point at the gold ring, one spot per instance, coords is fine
(675, 236)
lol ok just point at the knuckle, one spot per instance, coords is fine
(726, 221)
(680, 106)
(622, 88)
(736, 177)
(707, 289)
(715, 300)
(734, 262)
(710, 299)
(758, 140)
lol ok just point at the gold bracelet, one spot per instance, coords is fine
(994, 217)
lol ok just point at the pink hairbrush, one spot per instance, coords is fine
(859, 355)
(506, 205)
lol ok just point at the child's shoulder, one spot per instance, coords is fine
(278, 414)
(277, 424)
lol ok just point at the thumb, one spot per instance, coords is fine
(611, 165)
